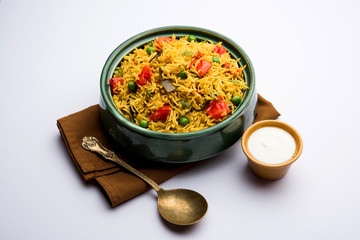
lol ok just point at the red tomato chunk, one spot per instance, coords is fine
(217, 108)
(114, 84)
(219, 50)
(144, 76)
(161, 114)
(159, 44)
(203, 67)
(226, 65)
(235, 73)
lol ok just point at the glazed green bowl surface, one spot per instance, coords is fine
(176, 147)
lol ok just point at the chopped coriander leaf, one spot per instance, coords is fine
(184, 104)
(187, 53)
(235, 81)
(148, 95)
(119, 71)
(214, 95)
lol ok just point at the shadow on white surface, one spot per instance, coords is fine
(255, 181)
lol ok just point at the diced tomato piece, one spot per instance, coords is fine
(159, 44)
(161, 114)
(199, 54)
(144, 76)
(218, 108)
(193, 62)
(114, 84)
(113, 81)
(219, 50)
(226, 65)
(203, 67)
(236, 72)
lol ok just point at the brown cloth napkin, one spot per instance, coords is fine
(117, 184)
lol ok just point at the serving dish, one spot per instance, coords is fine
(176, 147)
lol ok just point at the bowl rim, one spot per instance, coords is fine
(161, 31)
(272, 123)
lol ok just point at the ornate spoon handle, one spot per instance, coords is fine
(93, 144)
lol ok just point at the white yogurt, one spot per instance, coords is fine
(271, 145)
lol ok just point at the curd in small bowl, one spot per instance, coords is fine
(271, 147)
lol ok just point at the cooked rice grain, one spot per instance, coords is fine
(191, 95)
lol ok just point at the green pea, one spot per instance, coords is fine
(150, 50)
(183, 75)
(216, 59)
(191, 38)
(144, 123)
(132, 86)
(236, 100)
(183, 121)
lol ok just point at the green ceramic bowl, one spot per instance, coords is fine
(176, 147)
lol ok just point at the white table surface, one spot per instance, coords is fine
(306, 56)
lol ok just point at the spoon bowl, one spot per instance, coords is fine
(177, 206)
(181, 206)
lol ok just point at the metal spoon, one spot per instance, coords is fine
(177, 206)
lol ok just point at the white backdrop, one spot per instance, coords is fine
(306, 56)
